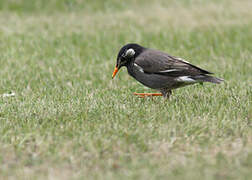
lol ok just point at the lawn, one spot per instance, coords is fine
(70, 120)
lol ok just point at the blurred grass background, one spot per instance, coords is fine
(69, 120)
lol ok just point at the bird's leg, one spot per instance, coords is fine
(142, 95)
(167, 94)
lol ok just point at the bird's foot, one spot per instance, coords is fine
(143, 95)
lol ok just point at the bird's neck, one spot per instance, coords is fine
(130, 68)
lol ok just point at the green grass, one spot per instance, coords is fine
(69, 120)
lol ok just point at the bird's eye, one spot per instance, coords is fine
(129, 53)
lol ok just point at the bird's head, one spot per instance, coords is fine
(126, 55)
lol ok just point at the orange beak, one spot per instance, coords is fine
(115, 71)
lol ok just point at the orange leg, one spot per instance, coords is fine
(142, 95)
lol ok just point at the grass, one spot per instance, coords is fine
(69, 120)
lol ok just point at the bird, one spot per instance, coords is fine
(159, 70)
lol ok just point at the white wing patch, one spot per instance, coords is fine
(170, 70)
(183, 60)
(139, 68)
(185, 79)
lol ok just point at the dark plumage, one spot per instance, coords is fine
(160, 71)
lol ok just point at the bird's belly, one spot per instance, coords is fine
(155, 81)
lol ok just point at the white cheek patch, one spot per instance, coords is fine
(130, 52)
(185, 79)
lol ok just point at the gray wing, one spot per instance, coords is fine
(157, 62)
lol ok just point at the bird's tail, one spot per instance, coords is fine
(207, 78)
